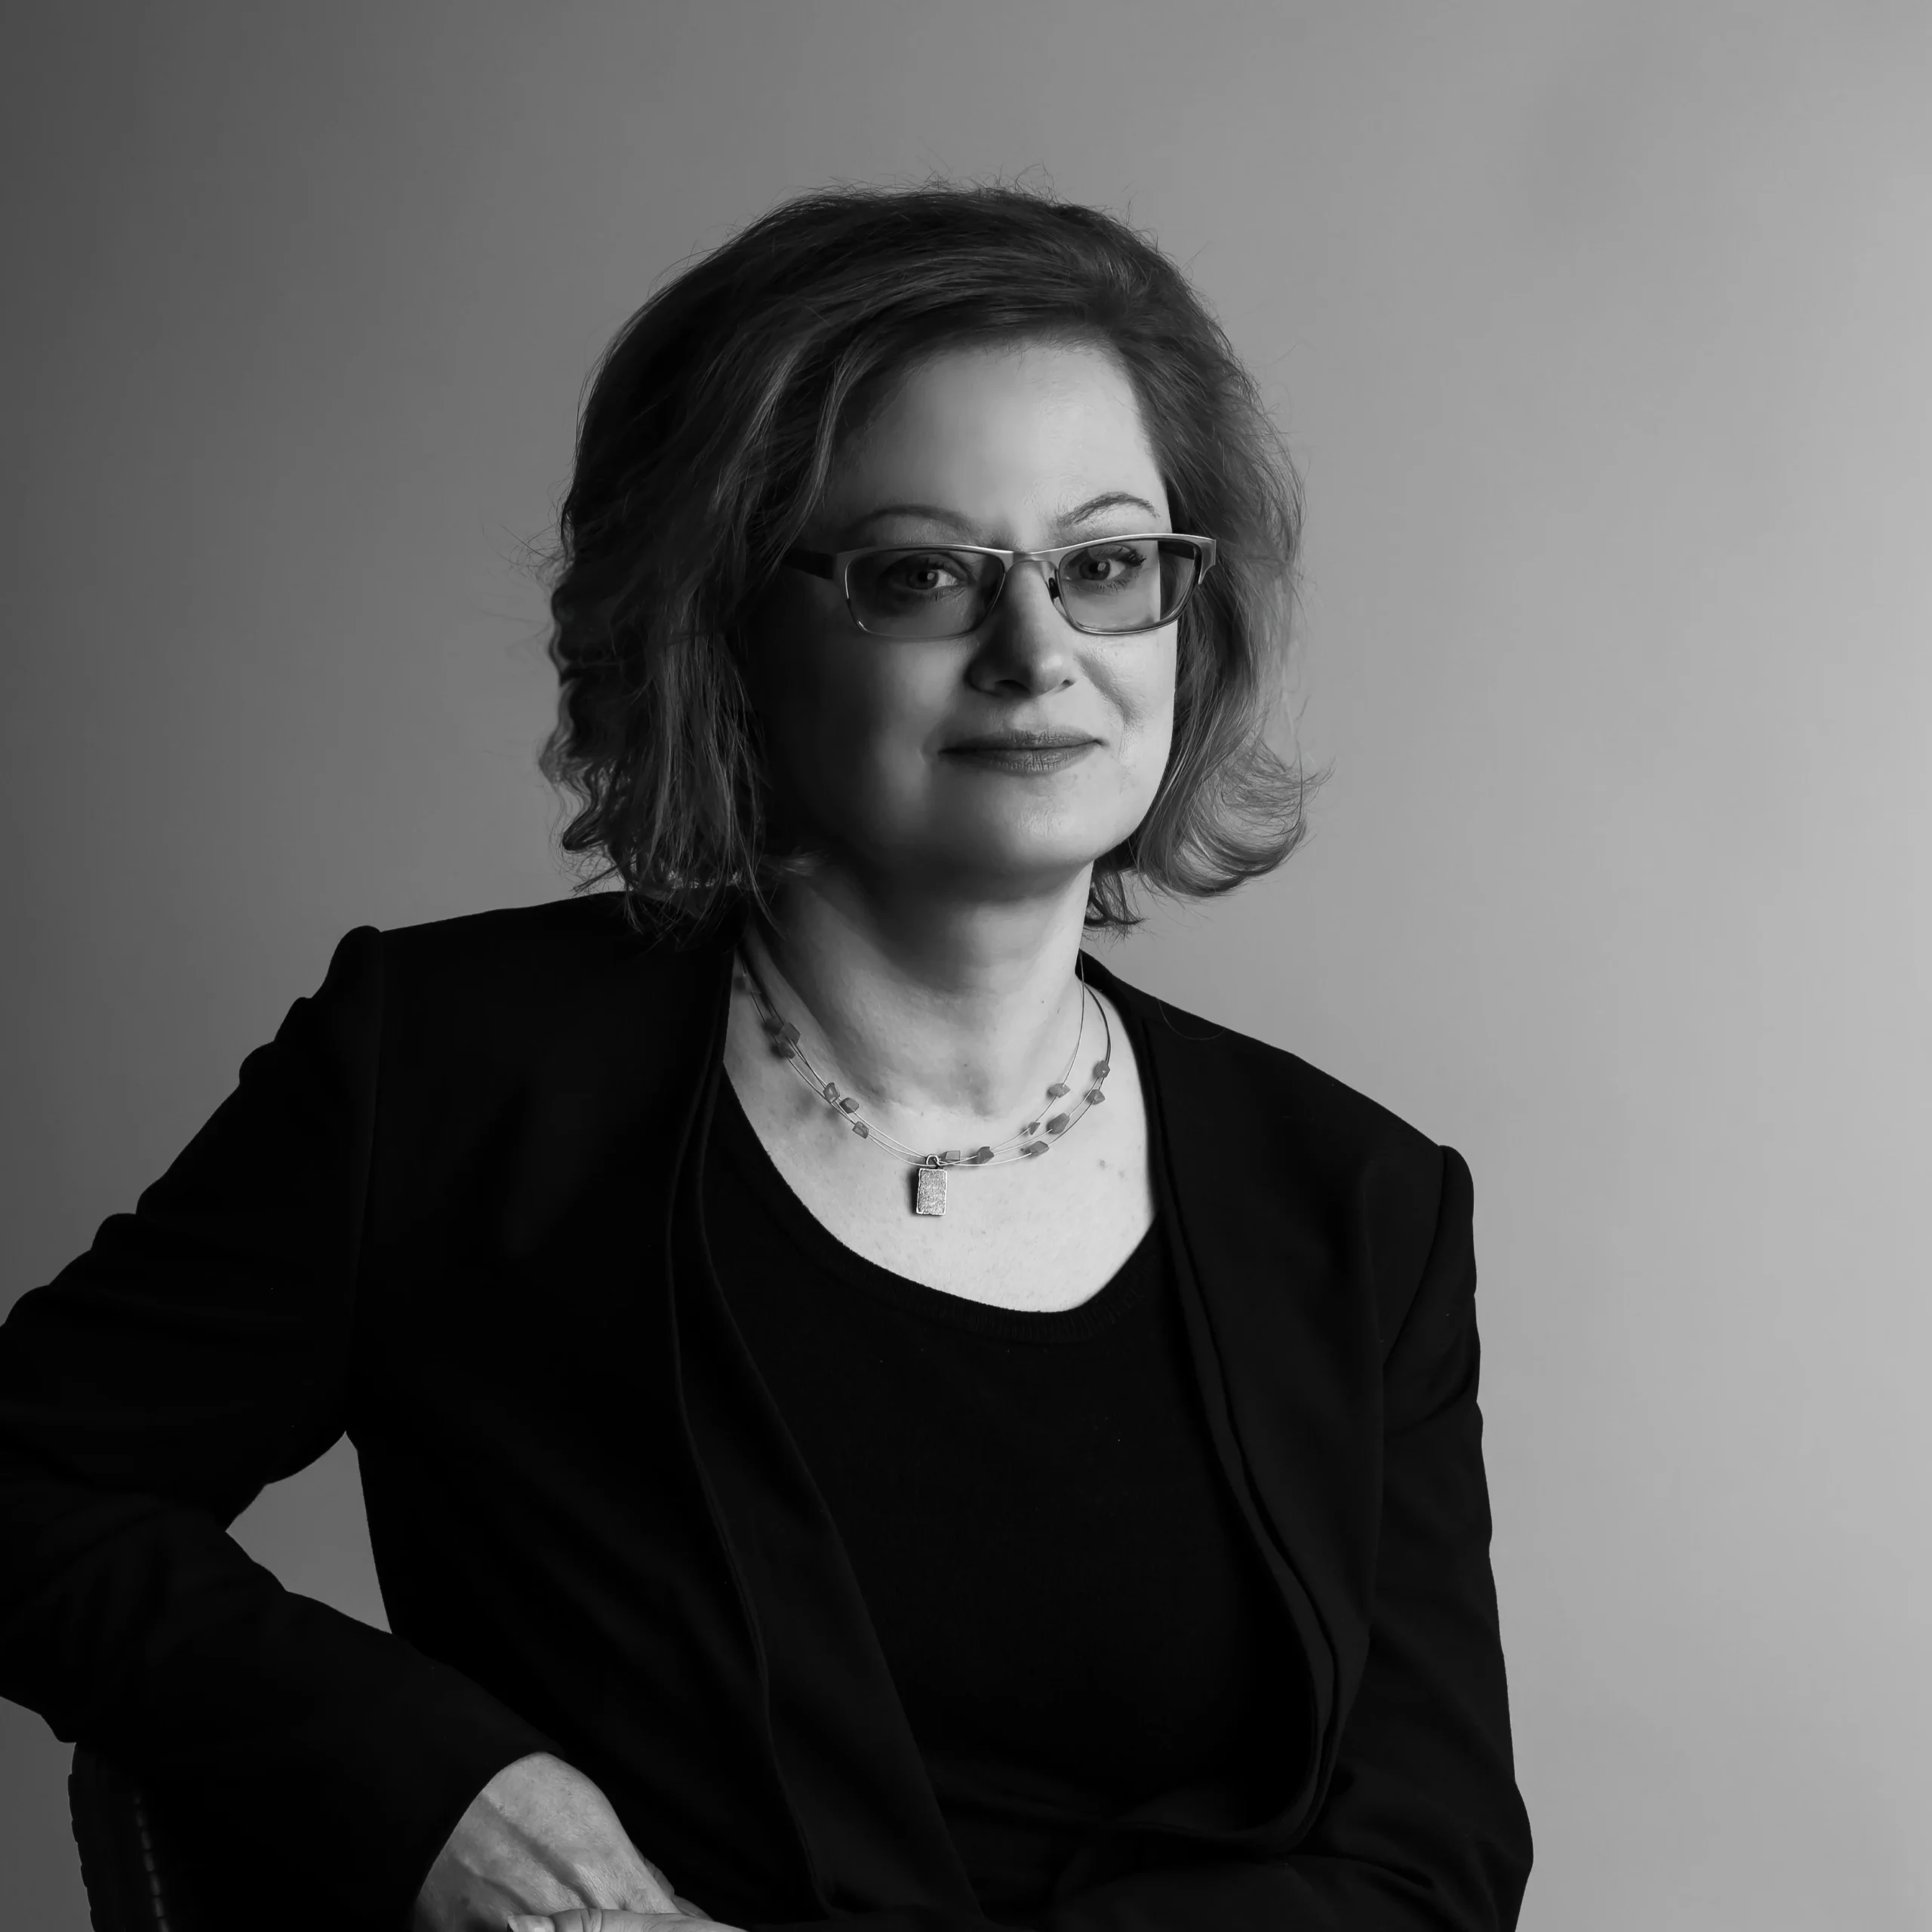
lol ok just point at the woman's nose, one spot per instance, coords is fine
(1027, 646)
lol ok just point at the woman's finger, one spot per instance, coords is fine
(599, 1918)
(593, 1918)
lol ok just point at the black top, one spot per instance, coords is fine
(1074, 1617)
(450, 1211)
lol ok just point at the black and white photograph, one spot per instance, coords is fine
(969, 966)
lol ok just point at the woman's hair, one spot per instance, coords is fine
(705, 443)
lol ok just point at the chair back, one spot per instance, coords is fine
(136, 1878)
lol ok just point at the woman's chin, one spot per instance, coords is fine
(1017, 862)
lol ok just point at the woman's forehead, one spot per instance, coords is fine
(980, 433)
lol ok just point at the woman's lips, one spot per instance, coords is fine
(1016, 755)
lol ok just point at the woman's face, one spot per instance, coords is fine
(905, 758)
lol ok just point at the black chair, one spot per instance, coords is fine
(139, 1878)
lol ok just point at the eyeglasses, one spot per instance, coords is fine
(1111, 587)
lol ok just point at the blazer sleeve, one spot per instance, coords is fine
(202, 1347)
(1423, 1829)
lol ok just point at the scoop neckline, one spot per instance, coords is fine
(1125, 1289)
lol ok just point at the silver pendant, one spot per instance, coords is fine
(929, 1189)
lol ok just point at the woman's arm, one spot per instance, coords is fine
(202, 1348)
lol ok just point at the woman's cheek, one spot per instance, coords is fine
(867, 752)
(1147, 730)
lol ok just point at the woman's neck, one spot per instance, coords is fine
(939, 1009)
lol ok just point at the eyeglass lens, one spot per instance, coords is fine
(1114, 586)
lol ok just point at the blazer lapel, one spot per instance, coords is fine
(1285, 1348)
(867, 1819)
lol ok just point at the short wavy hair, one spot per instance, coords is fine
(704, 444)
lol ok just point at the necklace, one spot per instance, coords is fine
(929, 1169)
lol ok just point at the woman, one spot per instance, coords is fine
(863, 1414)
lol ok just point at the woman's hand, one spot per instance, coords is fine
(540, 1849)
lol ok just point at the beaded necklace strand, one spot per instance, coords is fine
(929, 1169)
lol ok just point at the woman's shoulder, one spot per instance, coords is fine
(568, 984)
(576, 947)
(1260, 1105)
(1271, 1155)
(582, 926)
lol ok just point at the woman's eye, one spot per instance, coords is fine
(1117, 564)
(925, 573)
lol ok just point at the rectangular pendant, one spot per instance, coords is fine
(929, 1191)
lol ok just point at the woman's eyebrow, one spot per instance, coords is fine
(952, 520)
(918, 512)
(1112, 500)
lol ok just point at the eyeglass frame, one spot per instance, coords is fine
(836, 566)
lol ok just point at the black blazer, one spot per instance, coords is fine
(451, 1209)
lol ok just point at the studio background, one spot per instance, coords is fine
(1599, 331)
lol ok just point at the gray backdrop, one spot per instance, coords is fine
(1600, 332)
